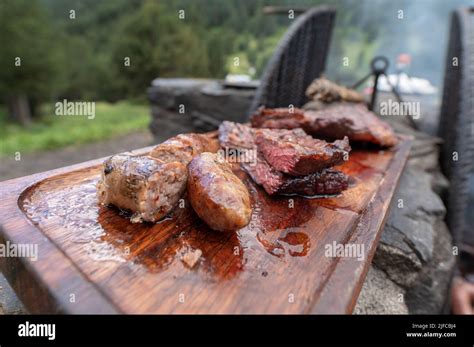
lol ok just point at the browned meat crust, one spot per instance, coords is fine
(332, 122)
(281, 118)
(148, 187)
(326, 182)
(298, 154)
(354, 120)
(236, 135)
(184, 147)
(216, 194)
(151, 186)
(324, 90)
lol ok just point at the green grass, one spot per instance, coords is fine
(52, 131)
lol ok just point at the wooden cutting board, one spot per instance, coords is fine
(92, 259)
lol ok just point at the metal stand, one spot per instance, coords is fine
(379, 66)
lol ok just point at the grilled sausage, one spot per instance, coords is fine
(184, 147)
(217, 195)
(148, 187)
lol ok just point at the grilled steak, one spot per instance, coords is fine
(326, 182)
(217, 195)
(281, 118)
(298, 154)
(332, 122)
(356, 121)
(148, 187)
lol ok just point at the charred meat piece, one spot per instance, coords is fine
(238, 142)
(236, 135)
(148, 187)
(324, 90)
(333, 122)
(356, 121)
(184, 147)
(325, 182)
(217, 195)
(298, 154)
(281, 118)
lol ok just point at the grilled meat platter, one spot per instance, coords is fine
(286, 151)
(232, 220)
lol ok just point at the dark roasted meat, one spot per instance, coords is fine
(356, 121)
(298, 154)
(281, 118)
(217, 195)
(332, 122)
(324, 90)
(325, 182)
(148, 187)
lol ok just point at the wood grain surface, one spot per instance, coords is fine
(94, 260)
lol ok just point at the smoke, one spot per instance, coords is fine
(419, 28)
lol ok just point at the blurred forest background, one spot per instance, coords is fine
(82, 58)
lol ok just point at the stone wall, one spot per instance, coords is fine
(414, 259)
(185, 105)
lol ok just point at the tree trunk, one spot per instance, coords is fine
(19, 109)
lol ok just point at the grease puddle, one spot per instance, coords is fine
(76, 209)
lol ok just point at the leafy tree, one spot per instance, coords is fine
(28, 59)
(84, 57)
(219, 44)
(156, 43)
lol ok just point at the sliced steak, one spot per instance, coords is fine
(298, 154)
(333, 122)
(355, 121)
(325, 182)
(217, 195)
(146, 186)
(280, 118)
